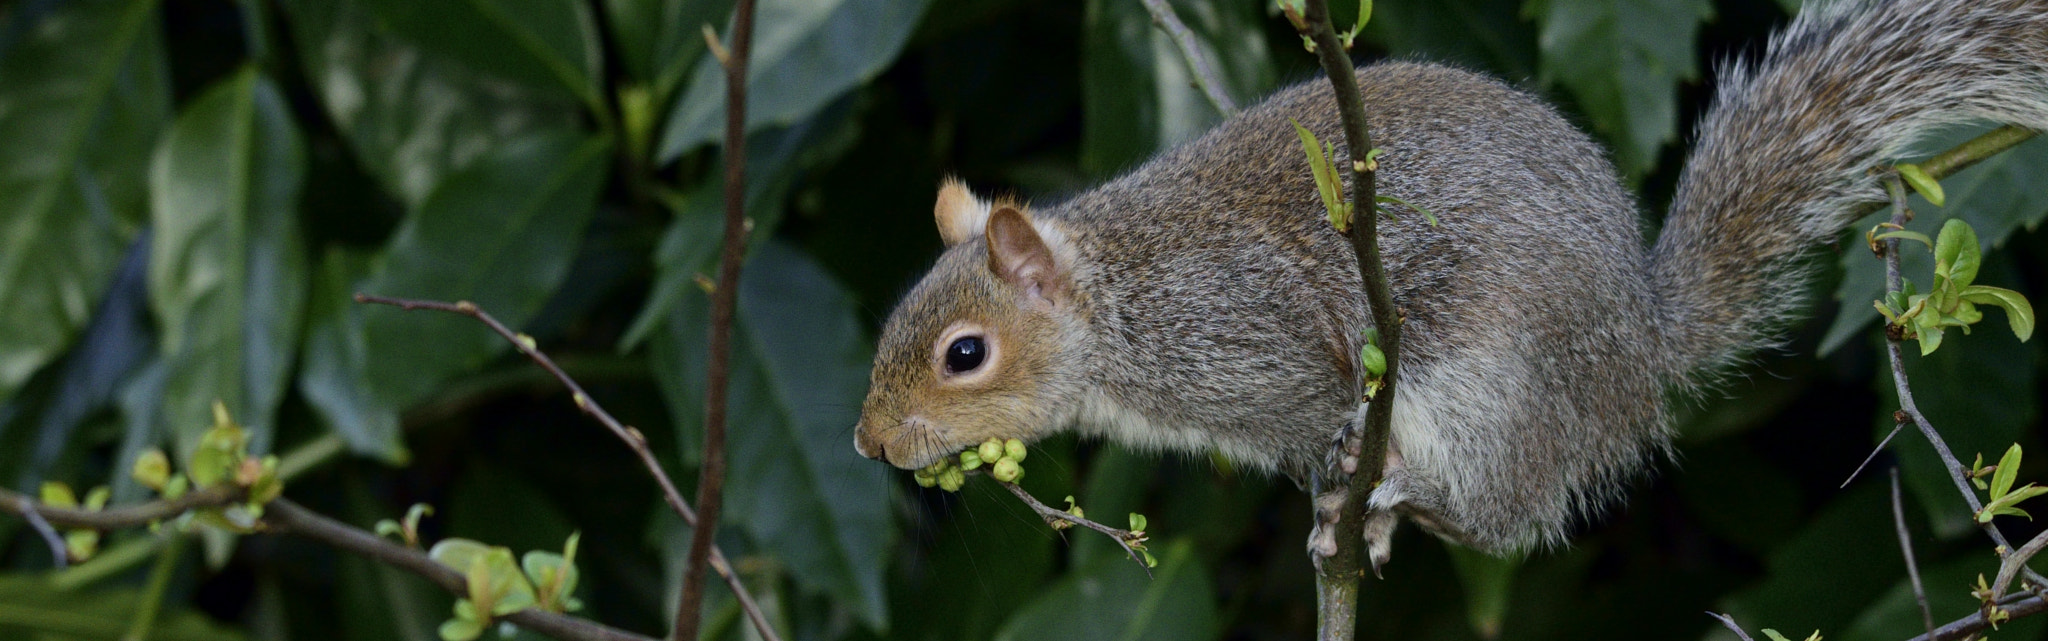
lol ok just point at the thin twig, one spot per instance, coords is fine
(1338, 575)
(283, 515)
(60, 554)
(2010, 566)
(711, 474)
(1906, 546)
(1050, 513)
(2017, 606)
(1730, 622)
(1198, 62)
(126, 516)
(631, 436)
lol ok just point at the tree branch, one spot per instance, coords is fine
(1050, 514)
(631, 436)
(286, 516)
(1338, 575)
(122, 517)
(1730, 622)
(2018, 606)
(711, 475)
(1183, 38)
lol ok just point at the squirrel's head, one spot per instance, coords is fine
(983, 346)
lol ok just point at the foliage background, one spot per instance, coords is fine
(189, 190)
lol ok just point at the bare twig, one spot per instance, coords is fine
(283, 515)
(2017, 606)
(631, 436)
(60, 554)
(1338, 575)
(1050, 513)
(711, 475)
(1730, 622)
(1906, 546)
(1205, 75)
(2013, 562)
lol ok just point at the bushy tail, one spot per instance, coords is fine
(1786, 151)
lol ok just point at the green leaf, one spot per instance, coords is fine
(1328, 185)
(805, 55)
(412, 117)
(1983, 393)
(800, 369)
(1922, 183)
(1997, 197)
(1112, 599)
(1956, 254)
(542, 43)
(86, 90)
(1488, 581)
(2008, 470)
(1909, 235)
(2019, 313)
(2004, 505)
(461, 629)
(228, 273)
(1774, 636)
(492, 234)
(1137, 93)
(1623, 61)
(1478, 34)
(58, 494)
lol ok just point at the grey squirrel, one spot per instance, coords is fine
(1202, 301)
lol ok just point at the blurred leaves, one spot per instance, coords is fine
(1137, 92)
(549, 44)
(487, 234)
(228, 267)
(805, 54)
(1112, 599)
(800, 364)
(1622, 61)
(83, 91)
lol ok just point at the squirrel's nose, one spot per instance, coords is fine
(867, 446)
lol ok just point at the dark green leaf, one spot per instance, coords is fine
(31, 609)
(1137, 95)
(1482, 34)
(800, 366)
(491, 234)
(1623, 61)
(1837, 555)
(412, 118)
(1488, 581)
(1112, 599)
(228, 268)
(549, 44)
(805, 54)
(86, 91)
(659, 40)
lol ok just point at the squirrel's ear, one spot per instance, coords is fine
(1020, 257)
(961, 216)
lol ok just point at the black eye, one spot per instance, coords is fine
(965, 354)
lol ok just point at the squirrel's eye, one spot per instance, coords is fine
(965, 354)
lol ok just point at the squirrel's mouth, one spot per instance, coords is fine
(909, 445)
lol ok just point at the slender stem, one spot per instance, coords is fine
(152, 599)
(711, 475)
(60, 554)
(1050, 513)
(1205, 75)
(2017, 606)
(1962, 156)
(283, 515)
(1338, 575)
(632, 437)
(1730, 622)
(126, 516)
(1906, 546)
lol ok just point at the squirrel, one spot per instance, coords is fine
(1202, 302)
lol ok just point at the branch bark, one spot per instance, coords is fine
(711, 476)
(1337, 578)
(1204, 73)
(632, 437)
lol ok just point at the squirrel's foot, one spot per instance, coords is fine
(1328, 501)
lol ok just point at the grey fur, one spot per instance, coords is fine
(1212, 306)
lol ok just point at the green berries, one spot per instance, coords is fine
(1002, 457)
